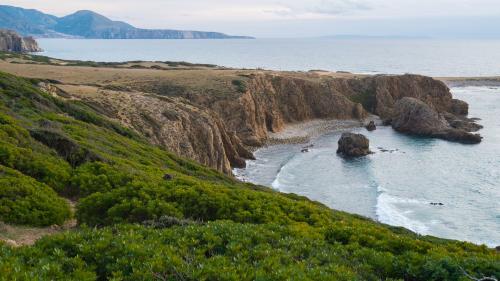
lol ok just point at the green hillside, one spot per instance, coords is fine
(145, 214)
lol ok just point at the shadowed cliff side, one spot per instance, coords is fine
(12, 42)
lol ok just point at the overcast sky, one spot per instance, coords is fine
(296, 18)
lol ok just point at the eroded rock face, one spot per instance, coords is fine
(217, 129)
(353, 145)
(12, 42)
(182, 128)
(459, 107)
(272, 101)
(415, 117)
(386, 91)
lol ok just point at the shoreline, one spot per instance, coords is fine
(486, 81)
(304, 132)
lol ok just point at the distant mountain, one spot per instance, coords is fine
(88, 24)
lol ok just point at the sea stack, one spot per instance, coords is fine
(371, 126)
(10, 41)
(353, 145)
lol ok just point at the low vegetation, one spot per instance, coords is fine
(196, 224)
(26, 201)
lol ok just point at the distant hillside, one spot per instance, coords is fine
(88, 24)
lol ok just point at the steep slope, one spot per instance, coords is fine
(191, 223)
(88, 24)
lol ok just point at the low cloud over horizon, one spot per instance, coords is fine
(297, 18)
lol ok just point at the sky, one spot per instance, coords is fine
(296, 18)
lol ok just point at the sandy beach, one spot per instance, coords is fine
(303, 132)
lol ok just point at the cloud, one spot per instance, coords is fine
(330, 7)
(320, 8)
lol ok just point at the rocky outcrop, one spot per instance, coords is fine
(215, 123)
(388, 90)
(273, 101)
(12, 42)
(371, 126)
(173, 123)
(415, 117)
(353, 145)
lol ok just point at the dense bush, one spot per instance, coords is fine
(231, 251)
(198, 200)
(20, 152)
(96, 176)
(26, 201)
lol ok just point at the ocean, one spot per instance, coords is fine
(431, 57)
(430, 186)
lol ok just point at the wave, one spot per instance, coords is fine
(276, 184)
(388, 213)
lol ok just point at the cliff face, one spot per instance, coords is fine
(12, 42)
(387, 90)
(216, 129)
(272, 101)
(183, 128)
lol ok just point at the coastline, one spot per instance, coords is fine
(303, 132)
(486, 81)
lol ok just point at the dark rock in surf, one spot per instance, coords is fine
(353, 145)
(437, 204)
(371, 126)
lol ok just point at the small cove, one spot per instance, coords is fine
(401, 185)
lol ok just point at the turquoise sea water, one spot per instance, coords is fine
(395, 188)
(398, 187)
(422, 56)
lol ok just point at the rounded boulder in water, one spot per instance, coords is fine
(353, 145)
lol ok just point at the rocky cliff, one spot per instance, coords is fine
(413, 116)
(216, 116)
(12, 42)
(272, 100)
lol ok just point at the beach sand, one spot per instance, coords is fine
(303, 132)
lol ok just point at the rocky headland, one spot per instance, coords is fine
(10, 41)
(415, 117)
(216, 116)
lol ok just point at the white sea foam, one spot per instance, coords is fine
(387, 212)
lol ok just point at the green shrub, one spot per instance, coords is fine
(96, 176)
(25, 201)
(226, 250)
